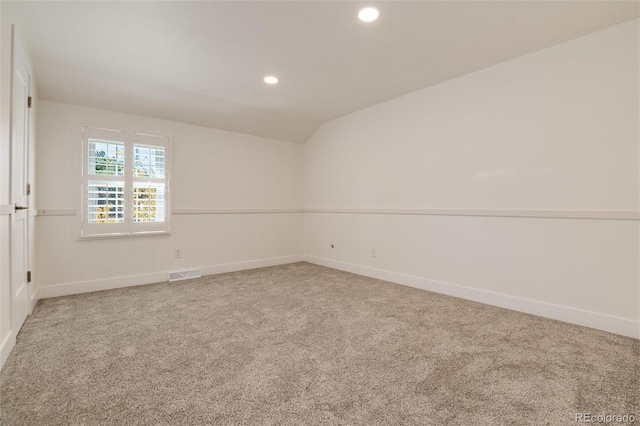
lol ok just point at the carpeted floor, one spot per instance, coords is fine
(304, 345)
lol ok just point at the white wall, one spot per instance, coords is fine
(211, 170)
(556, 130)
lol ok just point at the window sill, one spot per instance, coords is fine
(127, 235)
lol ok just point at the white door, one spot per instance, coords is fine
(19, 224)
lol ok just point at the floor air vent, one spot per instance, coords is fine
(184, 275)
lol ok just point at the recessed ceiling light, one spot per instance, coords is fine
(368, 14)
(270, 79)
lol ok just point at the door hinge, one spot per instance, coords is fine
(28, 276)
(29, 101)
(28, 189)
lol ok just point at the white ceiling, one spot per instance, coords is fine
(203, 62)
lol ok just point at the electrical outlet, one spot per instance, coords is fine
(177, 253)
(374, 252)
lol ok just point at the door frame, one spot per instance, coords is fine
(18, 53)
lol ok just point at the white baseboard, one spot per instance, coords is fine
(567, 314)
(34, 301)
(156, 277)
(6, 347)
(250, 264)
(10, 341)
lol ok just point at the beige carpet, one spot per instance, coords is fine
(305, 345)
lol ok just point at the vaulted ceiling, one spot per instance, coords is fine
(203, 62)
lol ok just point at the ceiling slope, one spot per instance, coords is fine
(203, 62)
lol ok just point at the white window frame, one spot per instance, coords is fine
(128, 227)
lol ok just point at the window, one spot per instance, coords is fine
(124, 183)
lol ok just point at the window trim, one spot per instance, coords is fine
(129, 228)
